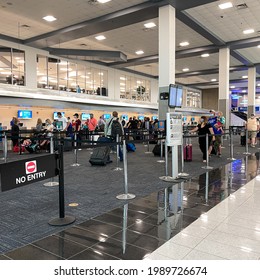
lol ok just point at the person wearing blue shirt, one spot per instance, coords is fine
(217, 128)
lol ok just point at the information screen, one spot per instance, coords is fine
(175, 96)
(141, 118)
(85, 116)
(24, 114)
(107, 116)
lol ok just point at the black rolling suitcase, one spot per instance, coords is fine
(67, 144)
(243, 140)
(100, 156)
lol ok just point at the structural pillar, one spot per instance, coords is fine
(224, 95)
(166, 54)
(251, 90)
(167, 33)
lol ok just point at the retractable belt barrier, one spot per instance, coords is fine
(27, 171)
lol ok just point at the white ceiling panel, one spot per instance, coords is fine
(228, 24)
(253, 54)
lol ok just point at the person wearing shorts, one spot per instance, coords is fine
(252, 126)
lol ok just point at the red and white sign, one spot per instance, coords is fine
(30, 167)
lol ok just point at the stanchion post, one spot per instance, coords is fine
(247, 152)
(75, 151)
(117, 155)
(161, 152)
(182, 174)
(148, 145)
(126, 195)
(51, 183)
(207, 154)
(62, 220)
(231, 146)
(5, 147)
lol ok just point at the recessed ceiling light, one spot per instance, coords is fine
(232, 87)
(248, 31)
(100, 37)
(184, 44)
(244, 77)
(258, 46)
(49, 18)
(149, 24)
(185, 69)
(226, 5)
(244, 91)
(205, 55)
(103, 1)
(258, 85)
(213, 80)
(139, 52)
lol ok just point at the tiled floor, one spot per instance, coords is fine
(215, 216)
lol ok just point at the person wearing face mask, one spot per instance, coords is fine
(204, 128)
(252, 126)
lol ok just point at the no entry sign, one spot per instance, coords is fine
(23, 172)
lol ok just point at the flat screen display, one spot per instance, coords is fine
(175, 96)
(107, 116)
(85, 116)
(55, 116)
(154, 118)
(125, 116)
(141, 118)
(24, 114)
(161, 125)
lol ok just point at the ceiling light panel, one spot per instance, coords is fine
(100, 37)
(103, 1)
(49, 18)
(249, 31)
(149, 25)
(139, 52)
(184, 44)
(226, 5)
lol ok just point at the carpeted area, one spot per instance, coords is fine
(25, 211)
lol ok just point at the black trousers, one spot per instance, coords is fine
(203, 146)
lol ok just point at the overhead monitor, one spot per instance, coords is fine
(175, 96)
(24, 114)
(124, 117)
(154, 118)
(107, 116)
(55, 115)
(85, 116)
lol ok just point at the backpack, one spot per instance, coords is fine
(116, 129)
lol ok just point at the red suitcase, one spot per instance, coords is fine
(187, 152)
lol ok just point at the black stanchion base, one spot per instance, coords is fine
(62, 221)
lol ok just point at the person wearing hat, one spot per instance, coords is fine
(252, 125)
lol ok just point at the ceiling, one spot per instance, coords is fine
(200, 22)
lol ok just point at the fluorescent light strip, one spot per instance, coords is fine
(100, 37)
(139, 52)
(49, 18)
(226, 5)
(184, 44)
(248, 31)
(149, 24)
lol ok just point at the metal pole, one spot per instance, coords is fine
(166, 159)
(207, 188)
(231, 144)
(75, 151)
(148, 145)
(126, 195)
(62, 220)
(247, 152)
(51, 183)
(117, 155)
(182, 174)
(5, 148)
(161, 154)
(207, 154)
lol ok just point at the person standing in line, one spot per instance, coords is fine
(15, 131)
(77, 126)
(63, 120)
(252, 125)
(39, 125)
(91, 123)
(101, 124)
(204, 128)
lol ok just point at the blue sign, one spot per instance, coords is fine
(107, 116)
(242, 109)
(125, 117)
(141, 118)
(85, 116)
(24, 114)
(161, 125)
(154, 118)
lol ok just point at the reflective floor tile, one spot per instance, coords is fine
(121, 250)
(59, 246)
(232, 220)
(91, 254)
(141, 209)
(158, 257)
(138, 239)
(82, 236)
(145, 203)
(186, 240)
(173, 251)
(100, 227)
(197, 231)
(163, 231)
(114, 220)
(130, 214)
(225, 251)
(31, 252)
(198, 255)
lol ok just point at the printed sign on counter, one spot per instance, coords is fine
(174, 129)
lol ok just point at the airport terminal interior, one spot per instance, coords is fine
(164, 67)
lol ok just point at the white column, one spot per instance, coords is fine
(31, 68)
(224, 100)
(167, 33)
(251, 90)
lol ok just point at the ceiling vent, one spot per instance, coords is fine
(241, 6)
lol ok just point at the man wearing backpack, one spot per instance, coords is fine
(113, 128)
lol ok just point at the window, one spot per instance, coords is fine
(11, 66)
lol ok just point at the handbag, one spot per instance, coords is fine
(16, 149)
